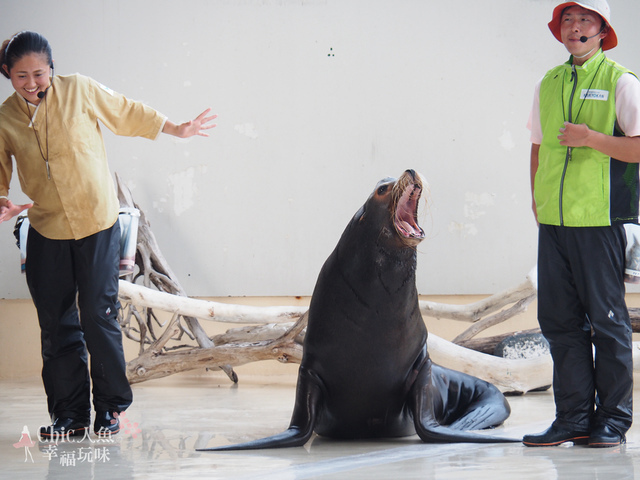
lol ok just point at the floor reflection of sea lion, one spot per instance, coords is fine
(365, 371)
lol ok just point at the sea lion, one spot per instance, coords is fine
(365, 371)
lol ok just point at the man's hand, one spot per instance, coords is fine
(573, 135)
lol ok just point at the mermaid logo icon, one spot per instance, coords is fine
(26, 442)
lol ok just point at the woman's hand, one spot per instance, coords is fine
(192, 127)
(8, 209)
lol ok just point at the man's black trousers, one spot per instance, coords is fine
(582, 309)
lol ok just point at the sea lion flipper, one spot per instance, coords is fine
(479, 418)
(445, 403)
(303, 419)
(292, 437)
(471, 403)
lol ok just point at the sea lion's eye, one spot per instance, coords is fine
(382, 189)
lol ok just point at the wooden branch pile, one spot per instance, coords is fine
(278, 332)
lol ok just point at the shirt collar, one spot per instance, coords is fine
(589, 65)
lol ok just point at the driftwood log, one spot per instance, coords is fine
(278, 339)
(278, 332)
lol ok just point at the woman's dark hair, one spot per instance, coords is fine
(21, 44)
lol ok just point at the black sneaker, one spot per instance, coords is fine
(62, 428)
(106, 423)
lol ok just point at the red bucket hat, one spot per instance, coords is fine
(601, 7)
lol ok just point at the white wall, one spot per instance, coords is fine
(317, 101)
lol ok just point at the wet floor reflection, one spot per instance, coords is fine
(171, 418)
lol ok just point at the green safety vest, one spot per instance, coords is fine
(581, 187)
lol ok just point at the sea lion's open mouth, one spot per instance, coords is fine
(407, 192)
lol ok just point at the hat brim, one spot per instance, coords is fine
(610, 41)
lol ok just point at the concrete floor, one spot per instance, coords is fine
(172, 417)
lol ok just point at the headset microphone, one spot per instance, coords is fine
(583, 39)
(44, 92)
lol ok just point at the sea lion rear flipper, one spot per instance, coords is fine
(479, 418)
(445, 402)
(303, 419)
(472, 403)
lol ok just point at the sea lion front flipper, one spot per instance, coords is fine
(303, 419)
(443, 403)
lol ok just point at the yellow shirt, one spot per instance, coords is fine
(76, 196)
